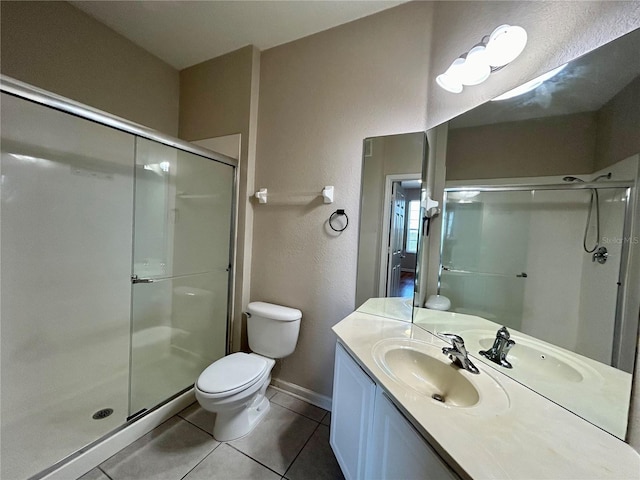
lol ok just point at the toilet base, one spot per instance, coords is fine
(231, 425)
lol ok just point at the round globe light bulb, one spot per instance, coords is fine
(475, 69)
(450, 80)
(448, 83)
(505, 44)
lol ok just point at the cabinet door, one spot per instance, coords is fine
(398, 451)
(351, 414)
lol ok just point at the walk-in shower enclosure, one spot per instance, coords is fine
(116, 264)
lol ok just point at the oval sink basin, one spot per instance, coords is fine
(430, 377)
(424, 369)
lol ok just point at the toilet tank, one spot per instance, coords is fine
(272, 329)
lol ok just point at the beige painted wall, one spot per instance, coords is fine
(579, 143)
(369, 235)
(319, 98)
(619, 126)
(390, 155)
(529, 148)
(55, 46)
(220, 97)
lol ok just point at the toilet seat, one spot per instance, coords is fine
(231, 374)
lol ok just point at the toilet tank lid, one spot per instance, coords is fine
(275, 312)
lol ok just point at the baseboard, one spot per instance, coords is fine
(93, 455)
(302, 393)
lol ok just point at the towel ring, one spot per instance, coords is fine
(334, 215)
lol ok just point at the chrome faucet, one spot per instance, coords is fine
(501, 346)
(458, 353)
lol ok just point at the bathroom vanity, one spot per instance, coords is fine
(400, 410)
(370, 436)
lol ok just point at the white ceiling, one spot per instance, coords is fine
(184, 33)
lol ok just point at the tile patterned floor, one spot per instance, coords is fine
(291, 443)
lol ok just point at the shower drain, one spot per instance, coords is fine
(104, 413)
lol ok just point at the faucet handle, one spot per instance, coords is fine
(503, 333)
(457, 352)
(507, 347)
(455, 340)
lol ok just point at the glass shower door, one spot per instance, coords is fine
(485, 241)
(518, 258)
(180, 280)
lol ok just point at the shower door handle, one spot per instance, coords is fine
(136, 279)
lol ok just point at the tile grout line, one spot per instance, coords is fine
(203, 459)
(251, 458)
(275, 403)
(305, 444)
(305, 416)
(105, 473)
(322, 419)
(282, 476)
(198, 427)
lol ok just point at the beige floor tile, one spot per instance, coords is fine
(316, 461)
(299, 406)
(226, 463)
(200, 417)
(95, 474)
(168, 452)
(270, 392)
(327, 419)
(277, 440)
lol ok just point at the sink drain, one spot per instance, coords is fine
(104, 413)
(438, 397)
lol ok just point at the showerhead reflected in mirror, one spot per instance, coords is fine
(539, 232)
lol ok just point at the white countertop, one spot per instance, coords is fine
(532, 439)
(397, 308)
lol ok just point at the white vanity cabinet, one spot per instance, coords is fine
(351, 414)
(371, 439)
(397, 450)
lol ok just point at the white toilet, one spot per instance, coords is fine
(234, 387)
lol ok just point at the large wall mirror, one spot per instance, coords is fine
(540, 230)
(389, 223)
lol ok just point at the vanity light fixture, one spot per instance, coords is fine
(493, 53)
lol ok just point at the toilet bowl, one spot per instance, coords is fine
(234, 387)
